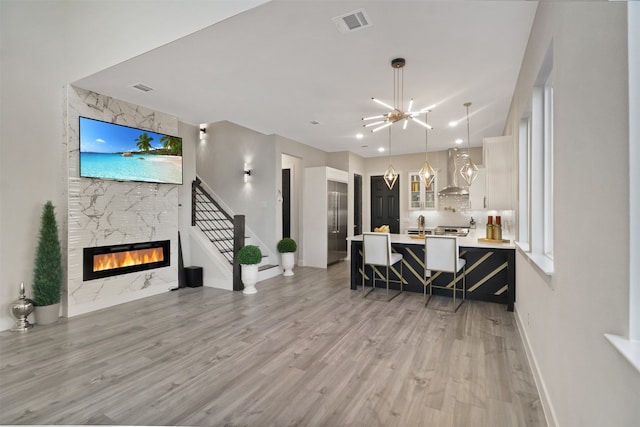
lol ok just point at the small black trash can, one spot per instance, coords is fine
(193, 276)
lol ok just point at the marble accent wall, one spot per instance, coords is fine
(102, 212)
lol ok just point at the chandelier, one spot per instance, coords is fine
(469, 170)
(396, 113)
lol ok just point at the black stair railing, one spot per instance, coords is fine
(226, 233)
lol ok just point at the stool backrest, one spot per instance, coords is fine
(441, 253)
(376, 248)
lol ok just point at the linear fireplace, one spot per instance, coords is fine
(105, 261)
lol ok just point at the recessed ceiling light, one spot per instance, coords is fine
(453, 123)
(359, 136)
(381, 149)
(459, 141)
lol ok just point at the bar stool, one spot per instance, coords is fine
(376, 252)
(441, 253)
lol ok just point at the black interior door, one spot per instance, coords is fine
(286, 203)
(385, 204)
(357, 204)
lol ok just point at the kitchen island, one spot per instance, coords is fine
(491, 267)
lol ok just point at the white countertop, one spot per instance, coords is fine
(470, 240)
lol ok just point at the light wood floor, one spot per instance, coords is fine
(305, 350)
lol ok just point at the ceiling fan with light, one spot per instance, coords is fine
(397, 113)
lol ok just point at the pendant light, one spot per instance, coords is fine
(426, 174)
(469, 170)
(390, 175)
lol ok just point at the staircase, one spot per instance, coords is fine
(221, 229)
(216, 224)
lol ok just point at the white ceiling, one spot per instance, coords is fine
(280, 66)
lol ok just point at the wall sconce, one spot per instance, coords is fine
(247, 172)
(203, 132)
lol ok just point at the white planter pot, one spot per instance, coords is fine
(249, 278)
(288, 262)
(47, 314)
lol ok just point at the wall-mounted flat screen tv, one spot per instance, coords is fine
(122, 153)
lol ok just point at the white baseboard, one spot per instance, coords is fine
(547, 407)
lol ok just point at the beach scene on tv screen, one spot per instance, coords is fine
(112, 151)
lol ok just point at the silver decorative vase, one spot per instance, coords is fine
(21, 309)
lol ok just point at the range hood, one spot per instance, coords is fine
(453, 189)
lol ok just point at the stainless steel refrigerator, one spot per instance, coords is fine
(336, 221)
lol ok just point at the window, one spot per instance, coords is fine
(629, 345)
(523, 181)
(536, 172)
(547, 221)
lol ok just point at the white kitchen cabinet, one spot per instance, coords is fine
(421, 198)
(498, 164)
(478, 190)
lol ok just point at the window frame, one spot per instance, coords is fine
(535, 190)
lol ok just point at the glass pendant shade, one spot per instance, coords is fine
(390, 176)
(427, 174)
(469, 171)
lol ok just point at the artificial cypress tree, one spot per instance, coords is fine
(47, 271)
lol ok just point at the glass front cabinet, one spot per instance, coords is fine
(421, 198)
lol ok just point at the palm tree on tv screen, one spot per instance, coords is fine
(172, 144)
(144, 142)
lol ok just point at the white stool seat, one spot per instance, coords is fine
(442, 253)
(376, 252)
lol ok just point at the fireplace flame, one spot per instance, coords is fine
(127, 258)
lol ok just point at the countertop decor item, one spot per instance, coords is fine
(249, 257)
(489, 228)
(421, 224)
(47, 270)
(287, 248)
(21, 309)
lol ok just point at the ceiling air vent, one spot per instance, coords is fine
(352, 21)
(142, 87)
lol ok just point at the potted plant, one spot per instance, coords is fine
(287, 247)
(249, 257)
(47, 270)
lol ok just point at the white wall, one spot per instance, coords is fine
(46, 45)
(220, 160)
(190, 137)
(584, 380)
(294, 164)
(306, 157)
(357, 165)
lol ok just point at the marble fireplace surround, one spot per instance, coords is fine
(103, 212)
